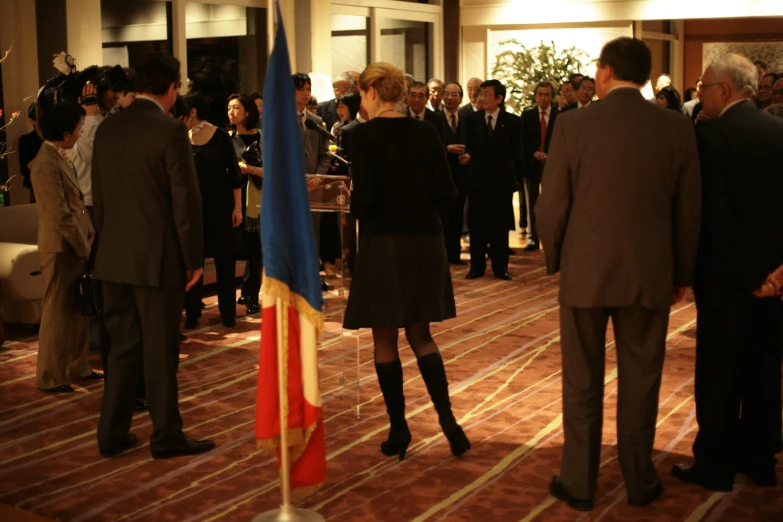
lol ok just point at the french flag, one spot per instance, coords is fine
(291, 281)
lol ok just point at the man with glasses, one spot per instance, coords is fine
(584, 94)
(777, 91)
(341, 84)
(739, 273)
(435, 88)
(764, 92)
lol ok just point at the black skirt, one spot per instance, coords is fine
(399, 281)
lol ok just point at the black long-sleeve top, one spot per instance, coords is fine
(402, 184)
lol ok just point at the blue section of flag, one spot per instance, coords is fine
(290, 254)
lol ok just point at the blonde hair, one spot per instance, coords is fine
(387, 79)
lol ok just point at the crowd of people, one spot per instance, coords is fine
(631, 203)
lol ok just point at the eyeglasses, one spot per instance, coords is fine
(765, 87)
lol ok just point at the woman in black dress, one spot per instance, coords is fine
(402, 187)
(244, 118)
(221, 184)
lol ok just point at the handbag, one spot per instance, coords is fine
(87, 296)
(252, 156)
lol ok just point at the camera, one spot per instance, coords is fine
(67, 86)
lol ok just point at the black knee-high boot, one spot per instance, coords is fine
(434, 374)
(390, 379)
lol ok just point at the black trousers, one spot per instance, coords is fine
(226, 290)
(143, 332)
(452, 232)
(739, 349)
(330, 245)
(533, 188)
(522, 206)
(251, 280)
(489, 224)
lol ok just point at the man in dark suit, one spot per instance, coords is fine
(474, 86)
(537, 125)
(584, 94)
(621, 227)
(739, 337)
(492, 142)
(327, 111)
(451, 121)
(418, 96)
(148, 214)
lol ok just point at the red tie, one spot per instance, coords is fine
(543, 131)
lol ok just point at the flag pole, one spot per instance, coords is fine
(286, 513)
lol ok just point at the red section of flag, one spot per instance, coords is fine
(305, 420)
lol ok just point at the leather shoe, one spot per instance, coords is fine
(242, 300)
(141, 405)
(253, 309)
(557, 490)
(65, 388)
(532, 247)
(92, 376)
(473, 275)
(504, 276)
(694, 475)
(648, 498)
(129, 441)
(229, 323)
(187, 447)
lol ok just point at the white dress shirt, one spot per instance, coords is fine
(81, 155)
(419, 116)
(494, 117)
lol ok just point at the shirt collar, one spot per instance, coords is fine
(475, 107)
(59, 150)
(149, 98)
(359, 118)
(580, 104)
(548, 110)
(494, 114)
(732, 104)
(450, 114)
(420, 115)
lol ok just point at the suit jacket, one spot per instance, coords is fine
(495, 163)
(147, 199)
(531, 138)
(436, 120)
(316, 148)
(454, 138)
(620, 208)
(742, 221)
(466, 110)
(63, 222)
(344, 149)
(327, 111)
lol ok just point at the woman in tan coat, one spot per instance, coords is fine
(65, 236)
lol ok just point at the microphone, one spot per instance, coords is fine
(310, 124)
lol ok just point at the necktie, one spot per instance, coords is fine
(543, 132)
(418, 117)
(453, 124)
(489, 126)
(301, 123)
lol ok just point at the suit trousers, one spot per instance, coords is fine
(143, 327)
(63, 343)
(533, 190)
(453, 230)
(640, 336)
(95, 321)
(489, 224)
(523, 215)
(739, 352)
(226, 290)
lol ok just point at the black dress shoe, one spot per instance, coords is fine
(532, 247)
(242, 300)
(474, 275)
(129, 442)
(141, 405)
(203, 305)
(648, 498)
(253, 309)
(187, 447)
(65, 388)
(504, 276)
(557, 490)
(92, 376)
(229, 323)
(694, 475)
(457, 262)
(191, 323)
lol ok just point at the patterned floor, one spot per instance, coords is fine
(503, 362)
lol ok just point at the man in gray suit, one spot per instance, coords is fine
(148, 214)
(619, 218)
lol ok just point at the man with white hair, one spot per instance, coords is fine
(739, 274)
(663, 80)
(341, 84)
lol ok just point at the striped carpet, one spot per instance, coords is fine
(503, 361)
